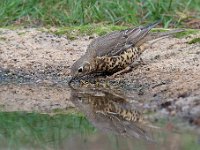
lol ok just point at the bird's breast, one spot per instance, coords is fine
(113, 64)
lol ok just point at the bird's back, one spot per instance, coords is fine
(117, 42)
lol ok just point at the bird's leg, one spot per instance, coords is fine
(127, 69)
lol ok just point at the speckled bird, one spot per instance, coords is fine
(115, 51)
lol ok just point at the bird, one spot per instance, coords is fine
(115, 51)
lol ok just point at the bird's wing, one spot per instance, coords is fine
(116, 42)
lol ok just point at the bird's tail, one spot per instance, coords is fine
(154, 37)
(151, 38)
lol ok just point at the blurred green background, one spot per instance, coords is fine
(22, 131)
(173, 13)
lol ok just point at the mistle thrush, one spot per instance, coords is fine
(115, 51)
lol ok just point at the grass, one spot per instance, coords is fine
(40, 131)
(73, 32)
(195, 40)
(82, 12)
(89, 29)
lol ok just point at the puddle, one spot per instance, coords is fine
(54, 116)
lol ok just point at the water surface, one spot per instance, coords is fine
(49, 116)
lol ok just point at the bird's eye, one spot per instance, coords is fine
(80, 69)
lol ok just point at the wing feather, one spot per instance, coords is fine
(116, 42)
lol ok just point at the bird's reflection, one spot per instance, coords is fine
(110, 112)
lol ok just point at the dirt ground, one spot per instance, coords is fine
(169, 81)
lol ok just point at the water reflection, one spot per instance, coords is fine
(110, 122)
(111, 113)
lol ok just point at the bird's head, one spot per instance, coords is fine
(81, 67)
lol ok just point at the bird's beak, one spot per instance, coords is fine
(75, 77)
(72, 79)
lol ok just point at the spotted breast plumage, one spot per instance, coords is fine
(115, 51)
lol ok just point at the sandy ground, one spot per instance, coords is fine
(169, 81)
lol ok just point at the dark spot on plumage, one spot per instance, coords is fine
(138, 118)
(121, 65)
(125, 61)
(114, 59)
(122, 58)
(128, 57)
(134, 52)
(118, 58)
(113, 63)
(104, 66)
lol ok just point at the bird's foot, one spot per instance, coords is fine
(84, 83)
(126, 70)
